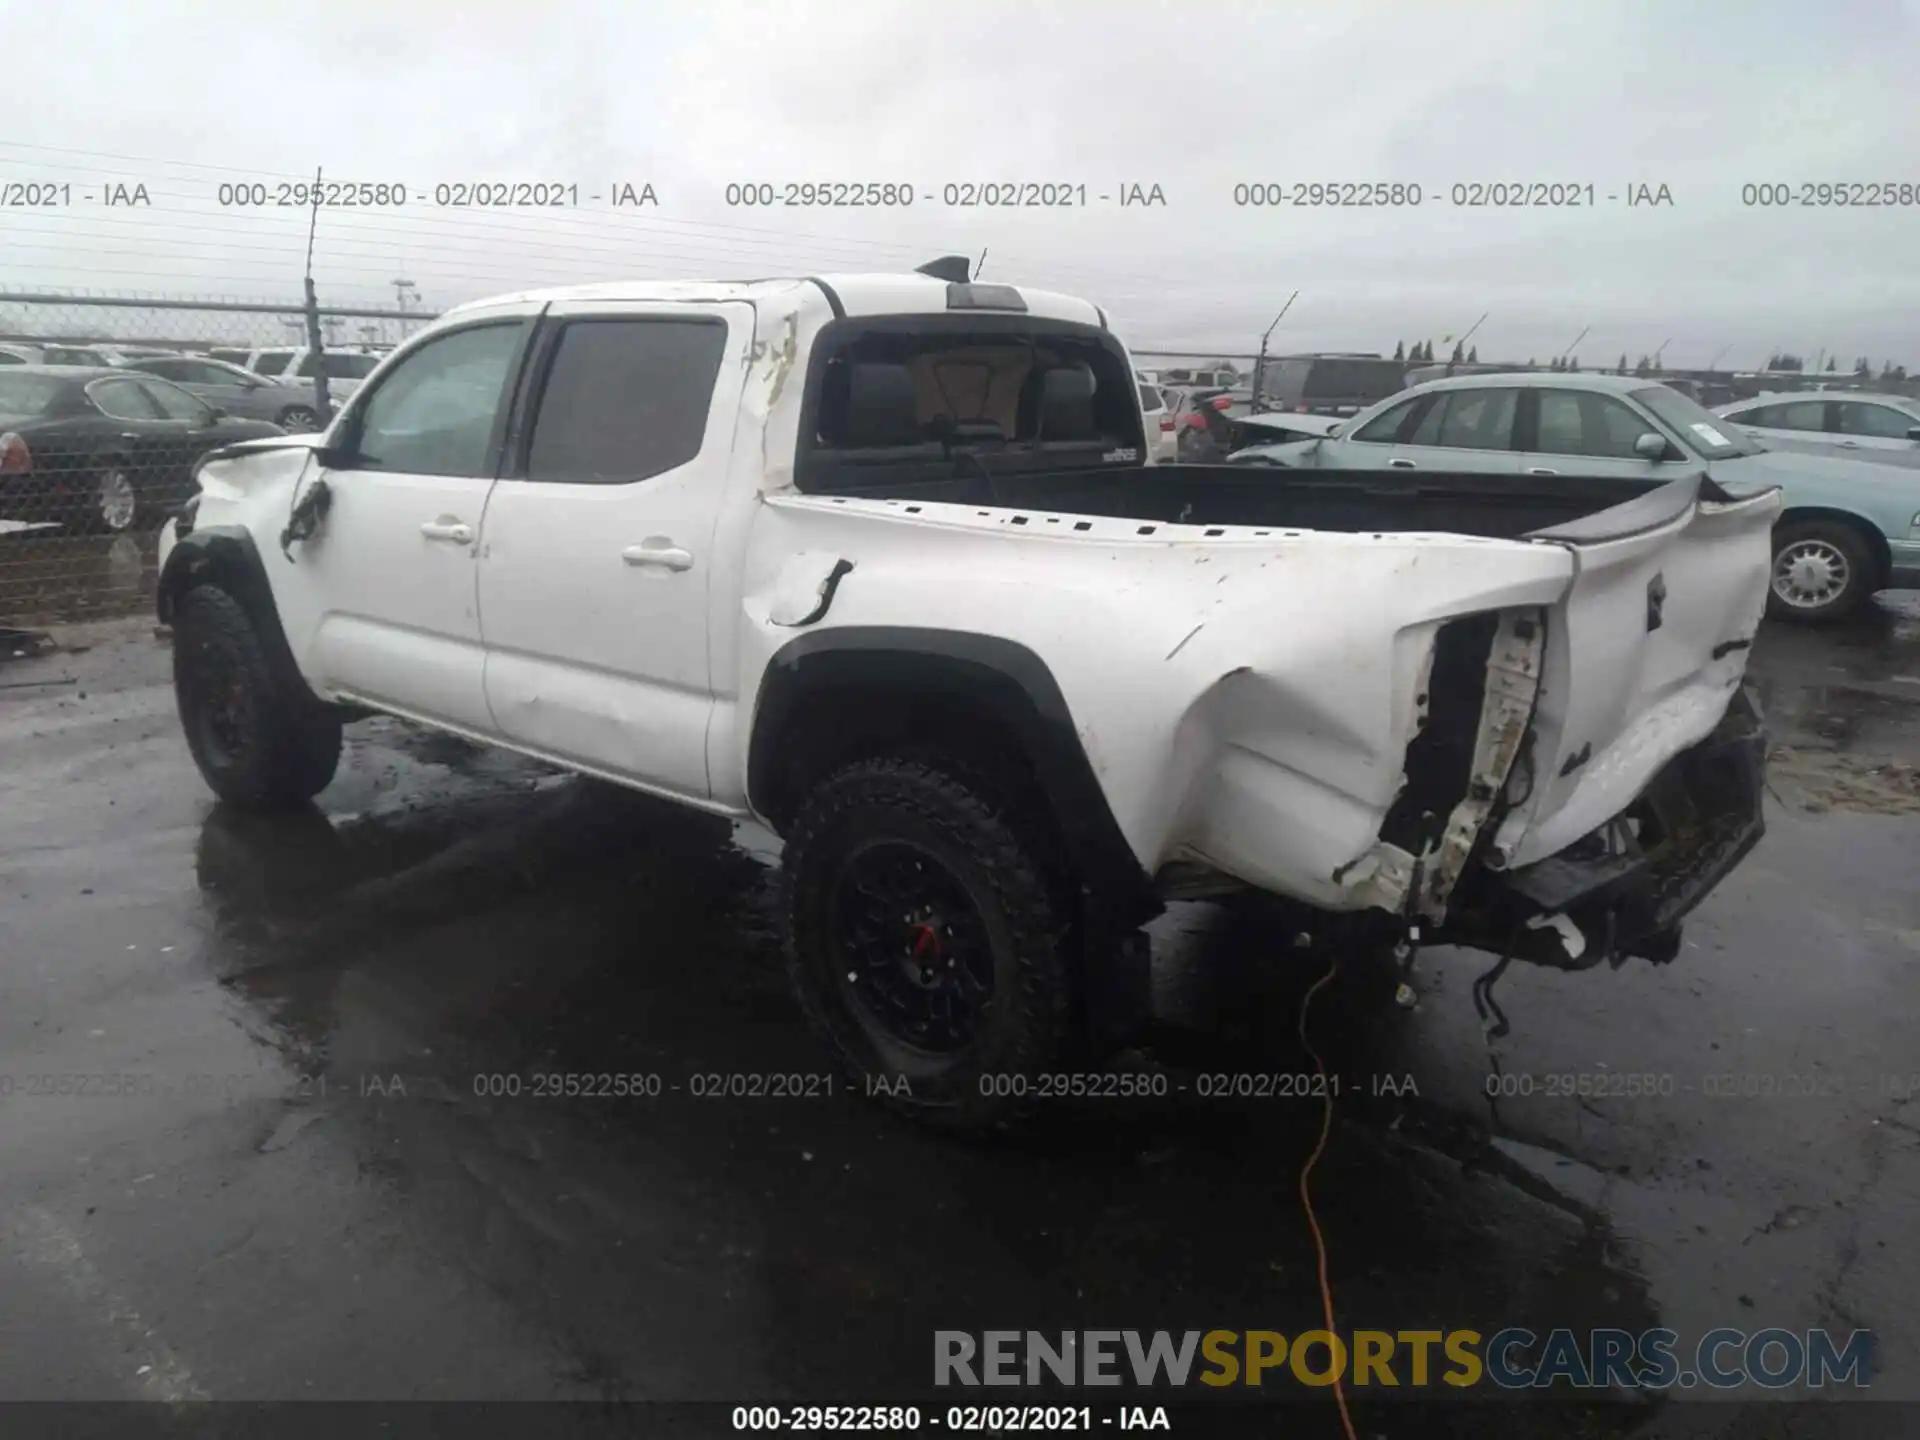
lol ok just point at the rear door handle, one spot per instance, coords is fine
(1540, 470)
(658, 551)
(1850, 444)
(1401, 465)
(448, 529)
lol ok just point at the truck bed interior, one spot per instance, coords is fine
(1049, 422)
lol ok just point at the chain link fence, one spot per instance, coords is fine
(107, 402)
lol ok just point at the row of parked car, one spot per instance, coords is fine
(1848, 462)
(248, 381)
(104, 436)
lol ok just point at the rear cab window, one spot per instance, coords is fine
(898, 403)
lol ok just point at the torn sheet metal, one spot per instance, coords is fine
(803, 591)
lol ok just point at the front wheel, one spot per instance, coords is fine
(926, 946)
(259, 744)
(1821, 572)
(299, 419)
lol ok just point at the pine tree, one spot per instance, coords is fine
(1644, 366)
(1830, 365)
(1574, 364)
(1473, 356)
(1623, 364)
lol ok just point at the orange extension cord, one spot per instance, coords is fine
(1306, 1193)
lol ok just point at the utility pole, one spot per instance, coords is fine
(1462, 341)
(1576, 340)
(401, 291)
(322, 401)
(1260, 360)
(981, 264)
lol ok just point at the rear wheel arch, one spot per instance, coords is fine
(978, 704)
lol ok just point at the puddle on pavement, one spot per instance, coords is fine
(579, 930)
(475, 922)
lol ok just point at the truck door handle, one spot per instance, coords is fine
(448, 529)
(660, 551)
(1401, 465)
(1540, 470)
(1849, 444)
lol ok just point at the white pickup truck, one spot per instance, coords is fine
(877, 560)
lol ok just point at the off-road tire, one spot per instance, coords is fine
(1029, 1022)
(1836, 536)
(259, 744)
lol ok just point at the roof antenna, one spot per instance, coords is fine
(981, 263)
(950, 268)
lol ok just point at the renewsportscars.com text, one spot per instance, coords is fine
(1510, 1359)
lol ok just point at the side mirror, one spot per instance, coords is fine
(336, 457)
(1651, 446)
(215, 414)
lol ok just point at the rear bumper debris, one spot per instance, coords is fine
(1623, 890)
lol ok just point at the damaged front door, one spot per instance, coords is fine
(381, 595)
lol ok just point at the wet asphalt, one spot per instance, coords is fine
(287, 1170)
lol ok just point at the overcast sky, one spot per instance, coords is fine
(1699, 95)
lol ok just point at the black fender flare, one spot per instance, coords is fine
(225, 555)
(1006, 680)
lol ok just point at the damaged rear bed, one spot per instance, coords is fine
(1576, 775)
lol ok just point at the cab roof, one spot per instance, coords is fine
(862, 295)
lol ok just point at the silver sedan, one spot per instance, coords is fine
(1865, 426)
(234, 389)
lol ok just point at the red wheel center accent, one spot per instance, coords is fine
(925, 938)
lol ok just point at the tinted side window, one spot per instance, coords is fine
(1881, 422)
(1384, 428)
(1800, 415)
(1150, 398)
(434, 413)
(625, 399)
(122, 399)
(1577, 422)
(174, 403)
(1479, 420)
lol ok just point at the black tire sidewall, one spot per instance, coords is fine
(1025, 1028)
(288, 748)
(313, 419)
(1859, 568)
